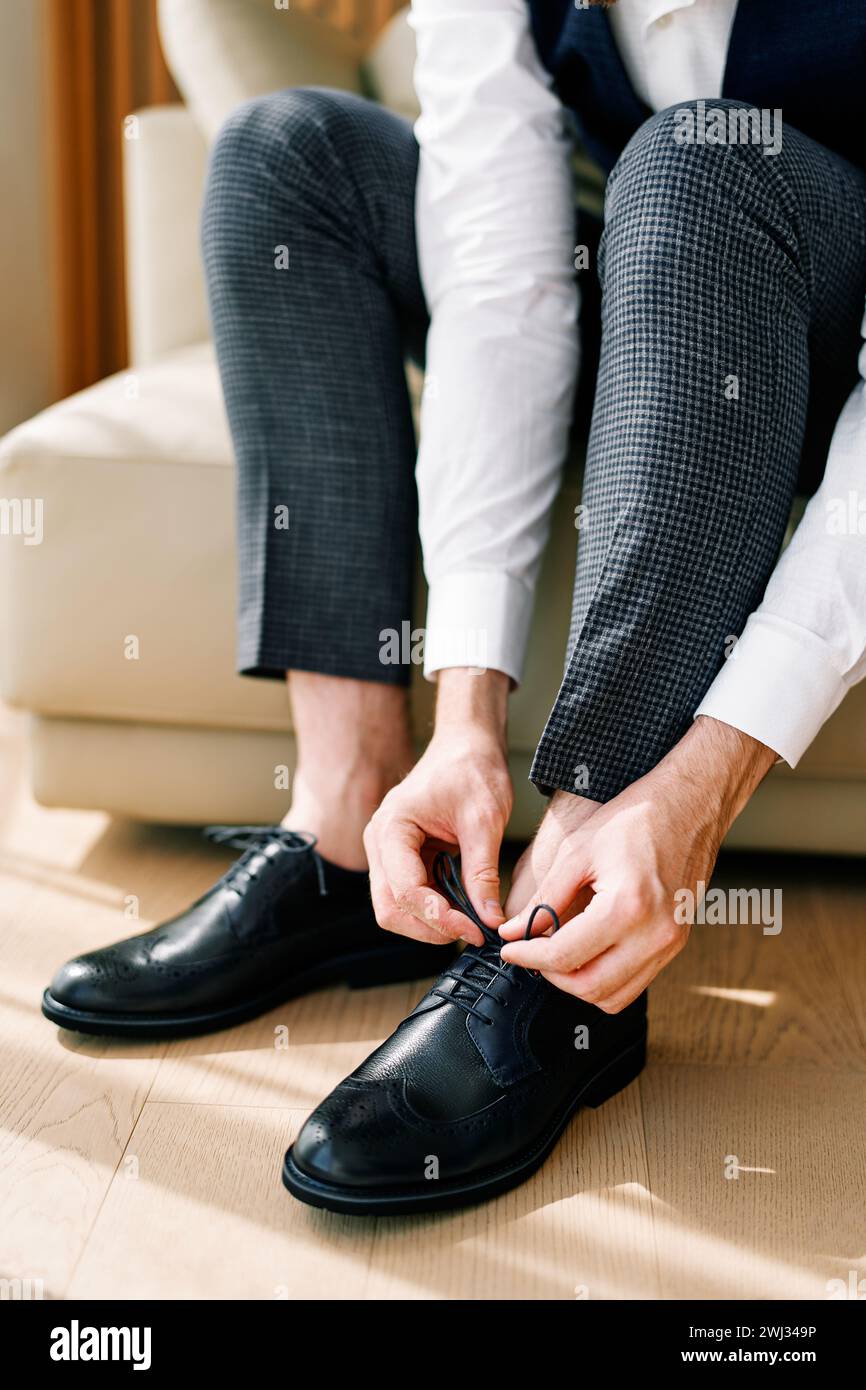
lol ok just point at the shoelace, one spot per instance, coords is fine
(253, 840)
(486, 968)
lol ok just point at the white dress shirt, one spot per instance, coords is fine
(495, 223)
(673, 50)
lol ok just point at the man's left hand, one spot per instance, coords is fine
(613, 878)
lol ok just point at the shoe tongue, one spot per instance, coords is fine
(265, 854)
(483, 966)
(265, 857)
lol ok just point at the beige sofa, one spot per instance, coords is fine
(118, 628)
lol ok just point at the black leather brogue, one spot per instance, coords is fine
(470, 1094)
(281, 922)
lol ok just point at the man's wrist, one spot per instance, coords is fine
(725, 764)
(476, 699)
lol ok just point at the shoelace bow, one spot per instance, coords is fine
(253, 840)
(486, 968)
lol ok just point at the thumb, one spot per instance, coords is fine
(479, 857)
(562, 888)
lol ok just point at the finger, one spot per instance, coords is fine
(406, 876)
(564, 888)
(384, 907)
(617, 976)
(609, 975)
(388, 915)
(609, 1004)
(601, 977)
(399, 843)
(380, 894)
(618, 983)
(570, 948)
(635, 986)
(434, 911)
(480, 843)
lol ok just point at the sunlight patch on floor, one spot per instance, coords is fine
(758, 998)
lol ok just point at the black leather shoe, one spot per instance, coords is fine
(282, 921)
(470, 1094)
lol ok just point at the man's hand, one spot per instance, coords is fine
(458, 796)
(614, 876)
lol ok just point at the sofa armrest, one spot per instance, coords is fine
(164, 170)
(389, 64)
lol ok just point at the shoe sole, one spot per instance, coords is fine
(360, 971)
(618, 1073)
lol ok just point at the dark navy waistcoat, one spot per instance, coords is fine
(807, 57)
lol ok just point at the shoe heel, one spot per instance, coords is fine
(397, 967)
(618, 1074)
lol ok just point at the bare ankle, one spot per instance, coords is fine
(354, 744)
(336, 810)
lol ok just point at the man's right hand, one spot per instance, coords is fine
(457, 797)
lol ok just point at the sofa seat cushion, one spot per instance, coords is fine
(125, 608)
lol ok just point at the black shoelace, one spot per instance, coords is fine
(254, 840)
(487, 966)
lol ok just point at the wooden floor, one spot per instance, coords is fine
(152, 1170)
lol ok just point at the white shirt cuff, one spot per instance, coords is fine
(779, 685)
(478, 619)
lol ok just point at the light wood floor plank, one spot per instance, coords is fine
(737, 996)
(65, 1116)
(204, 1214)
(837, 906)
(67, 1105)
(796, 1215)
(290, 1057)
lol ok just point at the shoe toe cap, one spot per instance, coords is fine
(101, 980)
(79, 984)
(354, 1139)
(313, 1151)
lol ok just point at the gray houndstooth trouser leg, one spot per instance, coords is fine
(311, 355)
(732, 294)
(716, 263)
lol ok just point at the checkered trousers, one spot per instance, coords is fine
(733, 287)
(308, 233)
(732, 294)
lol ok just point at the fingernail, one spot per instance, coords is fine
(495, 906)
